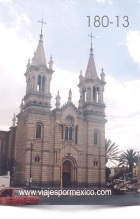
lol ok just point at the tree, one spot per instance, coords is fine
(8, 165)
(121, 173)
(3, 165)
(112, 151)
(107, 173)
(11, 163)
(129, 158)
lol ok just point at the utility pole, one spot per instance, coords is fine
(61, 130)
(30, 180)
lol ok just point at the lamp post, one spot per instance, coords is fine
(62, 127)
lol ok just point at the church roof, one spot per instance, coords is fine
(91, 72)
(66, 105)
(39, 56)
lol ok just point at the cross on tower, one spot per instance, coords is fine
(42, 25)
(91, 38)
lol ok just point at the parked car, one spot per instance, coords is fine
(16, 196)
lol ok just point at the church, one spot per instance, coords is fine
(37, 138)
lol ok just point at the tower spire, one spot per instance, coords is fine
(91, 72)
(39, 55)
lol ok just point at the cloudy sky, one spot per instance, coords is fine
(65, 35)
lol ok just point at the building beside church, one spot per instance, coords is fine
(7, 147)
(83, 140)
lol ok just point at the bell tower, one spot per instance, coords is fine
(91, 87)
(38, 78)
(34, 119)
(92, 106)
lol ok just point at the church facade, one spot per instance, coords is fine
(38, 138)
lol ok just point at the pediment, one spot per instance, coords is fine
(69, 104)
(70, 109)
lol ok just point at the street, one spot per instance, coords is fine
(120, 200)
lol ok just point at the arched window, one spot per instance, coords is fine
(76, 134)
(88, 93)
(33, 83)
(66, 133)
(97, 94)
(39, 83)
(69, 119)
(95, 162)
(37, 158)
(68, 130)
(70, 133)
(43, 84)
(83, 95)
(95, 138)
(94, 94)
(62, 133)
(38, 131)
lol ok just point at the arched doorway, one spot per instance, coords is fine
(66, 174)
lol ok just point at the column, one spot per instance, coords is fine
(90, 94)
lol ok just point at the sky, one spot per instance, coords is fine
(116, 48)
